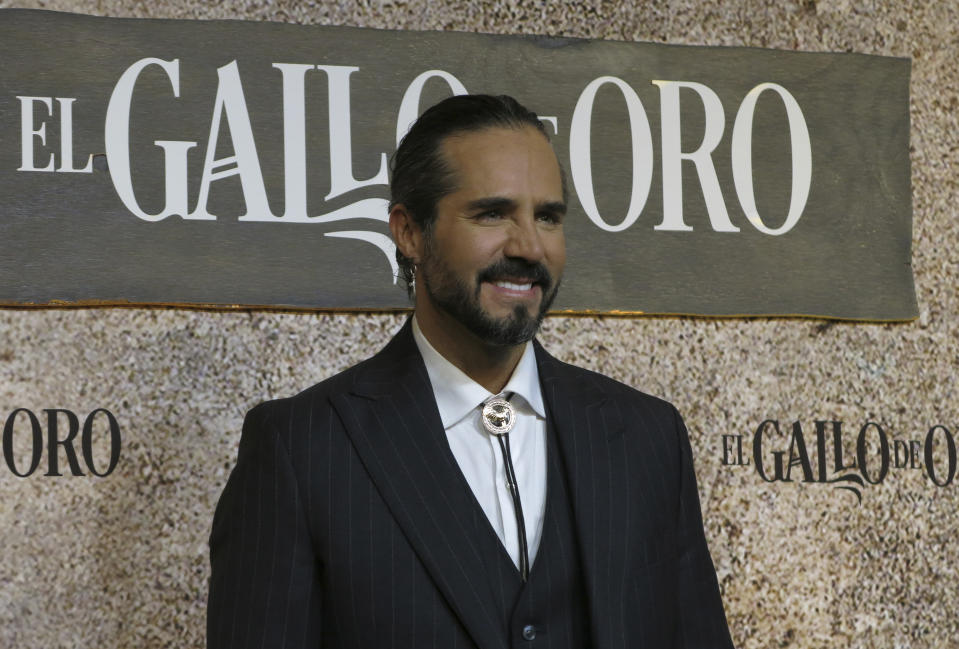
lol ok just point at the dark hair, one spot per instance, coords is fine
(421, 176)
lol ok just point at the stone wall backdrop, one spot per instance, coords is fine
(121, 561)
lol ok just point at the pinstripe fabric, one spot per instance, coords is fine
(346, 521)
(553, 600)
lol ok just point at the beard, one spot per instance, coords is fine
(456, 297)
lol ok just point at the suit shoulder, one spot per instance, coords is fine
(309, 409)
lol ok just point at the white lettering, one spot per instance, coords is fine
(244, 161)
(66, 138)
(551, 120)
(294, 137)
(341, 143)
(175, 169)
(580, 157)
(701, 157)
(410, 105)
(116, 135)
(28, 132)
(742, 158)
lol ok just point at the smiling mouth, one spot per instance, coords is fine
(513, 286)
(516, 278)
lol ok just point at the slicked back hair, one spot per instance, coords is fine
(420, 173)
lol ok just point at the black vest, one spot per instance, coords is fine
(549, 610)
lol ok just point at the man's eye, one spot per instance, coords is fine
(489, 215)
(549, 217)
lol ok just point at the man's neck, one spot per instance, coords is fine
(489, 365)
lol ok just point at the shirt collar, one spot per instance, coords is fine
(457, 394)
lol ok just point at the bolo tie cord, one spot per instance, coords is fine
(501, 422)
(517, 506)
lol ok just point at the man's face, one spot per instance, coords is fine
(496, 253)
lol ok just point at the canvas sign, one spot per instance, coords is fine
(231, 163)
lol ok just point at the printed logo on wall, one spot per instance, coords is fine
(238, 163)
(781, 457)
(26, 440)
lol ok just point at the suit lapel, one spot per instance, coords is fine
(589, 428)
(393, 422)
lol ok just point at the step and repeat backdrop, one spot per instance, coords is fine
(762, 230)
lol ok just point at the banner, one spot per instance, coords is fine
(231, 163)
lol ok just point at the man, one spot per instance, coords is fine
(400, 504)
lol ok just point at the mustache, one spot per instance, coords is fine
(517, 269)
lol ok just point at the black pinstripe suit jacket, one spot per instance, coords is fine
(346, 521)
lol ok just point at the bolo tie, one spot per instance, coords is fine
(498, 419)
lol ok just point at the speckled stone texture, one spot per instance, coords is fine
(121, 561)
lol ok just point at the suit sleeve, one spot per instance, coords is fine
(702, 619)
(264, 577)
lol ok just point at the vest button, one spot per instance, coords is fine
(529, 632)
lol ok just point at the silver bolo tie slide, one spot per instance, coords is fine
(498, 420)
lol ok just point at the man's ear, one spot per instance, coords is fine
(407, 234)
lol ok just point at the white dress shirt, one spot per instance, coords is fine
(459, 399)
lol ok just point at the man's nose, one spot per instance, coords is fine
(524, 240)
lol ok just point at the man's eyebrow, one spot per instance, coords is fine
(503, 203)
(556, 207)
(490, 203)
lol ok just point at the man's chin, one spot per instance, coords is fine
(504, 316)
(515, 328)
(493, 318)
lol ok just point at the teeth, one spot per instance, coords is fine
(515, 287)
